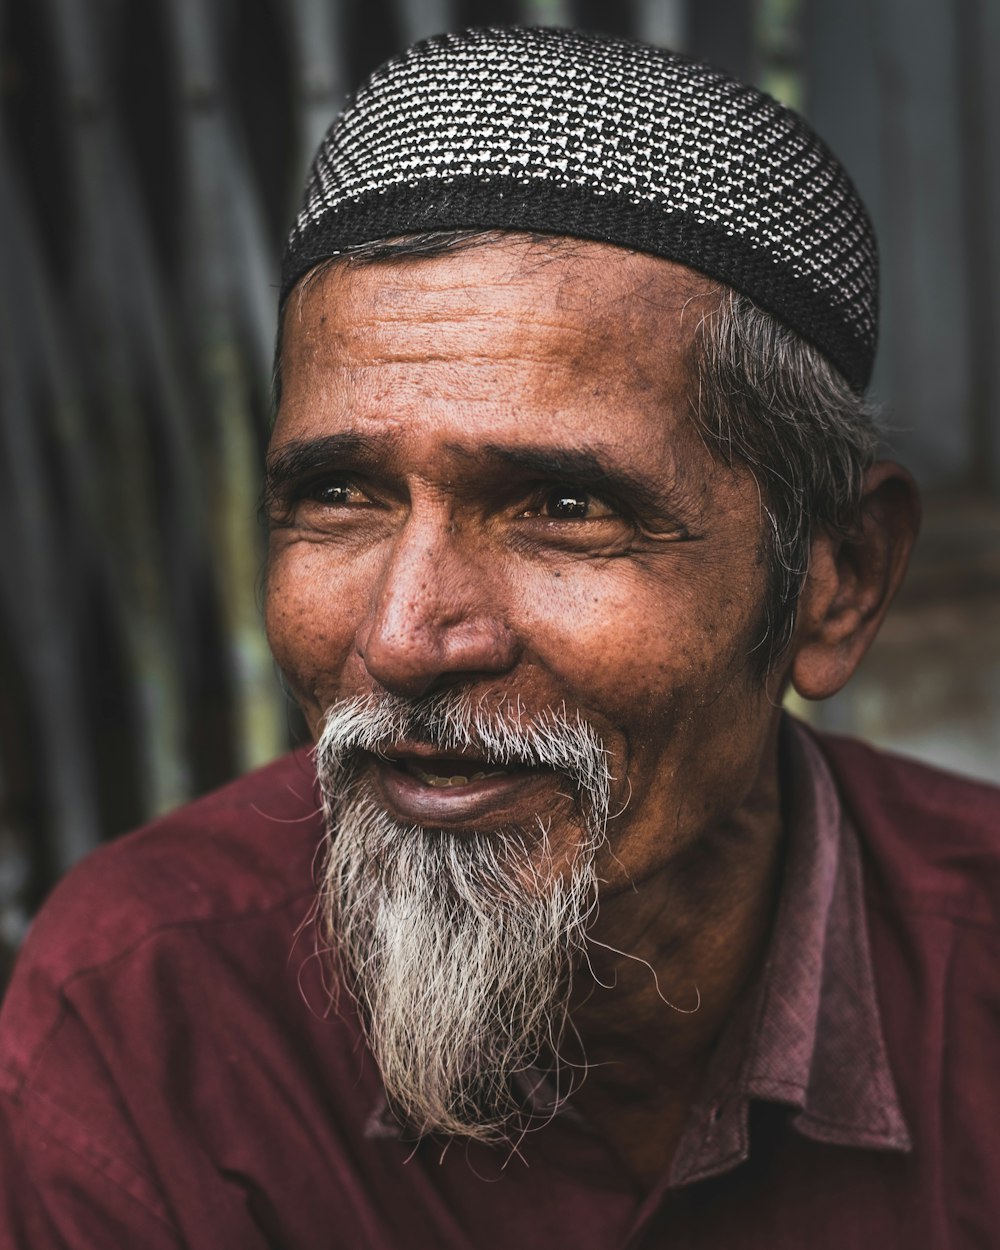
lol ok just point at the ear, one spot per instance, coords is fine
(852, 581)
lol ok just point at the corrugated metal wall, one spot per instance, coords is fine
(150, 159)
(908, 93)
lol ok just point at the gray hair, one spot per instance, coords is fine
(769, 401)
(473, 936)
(766, 400)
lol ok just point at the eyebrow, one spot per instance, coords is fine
(588, 468)
(301, 457)
(584, 467)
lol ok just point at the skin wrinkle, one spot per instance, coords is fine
(435, 589)
(667, 494)
(686, 581)
(763, 397)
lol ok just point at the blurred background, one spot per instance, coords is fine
(151, 157)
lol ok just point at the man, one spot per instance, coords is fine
(563, 934)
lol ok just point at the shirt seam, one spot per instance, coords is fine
(56, 1121)
(172, 926)
(62, 988)
(21, 1089)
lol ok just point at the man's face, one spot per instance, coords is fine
(485, 478)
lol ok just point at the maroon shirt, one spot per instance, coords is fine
(170, 1075)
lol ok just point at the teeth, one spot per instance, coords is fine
(443, 783)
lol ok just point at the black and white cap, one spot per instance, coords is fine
(584, 135)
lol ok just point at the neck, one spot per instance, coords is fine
(667, 963)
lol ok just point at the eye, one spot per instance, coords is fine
(566, 504)
(336, 492)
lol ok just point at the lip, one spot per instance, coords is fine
(404, 750)
(509, 798)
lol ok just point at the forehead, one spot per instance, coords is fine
(541, 334)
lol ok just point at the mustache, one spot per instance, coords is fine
(460, 950)
(501, 730)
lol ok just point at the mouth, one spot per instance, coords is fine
(451, 781)
(424, 786)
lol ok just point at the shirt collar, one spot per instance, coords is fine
(809, 1035)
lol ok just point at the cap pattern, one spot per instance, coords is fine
(600, 138)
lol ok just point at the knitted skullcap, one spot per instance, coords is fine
(557, 131)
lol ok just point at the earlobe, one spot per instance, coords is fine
(851, 582)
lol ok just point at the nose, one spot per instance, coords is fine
(434, 619)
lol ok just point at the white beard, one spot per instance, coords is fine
(459, 946)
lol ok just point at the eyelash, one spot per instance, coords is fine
(534, 497)
(628, 525)
(312, 490)
(307, 490)
(543, 495)
(539, 495)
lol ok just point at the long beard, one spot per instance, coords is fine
(459, 946)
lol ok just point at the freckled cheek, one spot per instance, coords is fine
(614, 647)
(311, 613)
(654, 664)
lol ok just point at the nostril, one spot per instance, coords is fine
(414, 656)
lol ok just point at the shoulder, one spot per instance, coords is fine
(244, 847)
(244, 850)
(930, 837)
(930, 848)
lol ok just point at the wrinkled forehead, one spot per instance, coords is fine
(569, 306)
(569, 360)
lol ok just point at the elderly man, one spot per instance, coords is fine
(562, 934)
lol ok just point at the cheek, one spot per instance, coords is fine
(664, 667)
(311, 616)
(634, 646)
